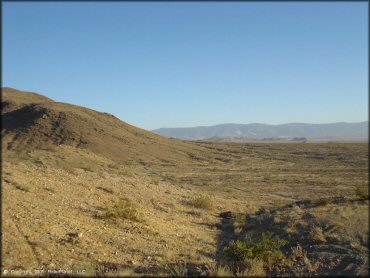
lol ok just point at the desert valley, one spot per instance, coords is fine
(84, 193)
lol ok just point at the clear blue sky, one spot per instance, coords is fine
(164, 64)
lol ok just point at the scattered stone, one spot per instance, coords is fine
(73, 237)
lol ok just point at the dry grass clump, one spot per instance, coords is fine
(291, 230)
(221, 271)
(250, 268)
(177, 270)
(239, 221)
(254, 268)
(202, 202)
(317, 235)
(297, 264)
(124, 209)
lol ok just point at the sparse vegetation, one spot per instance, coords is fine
(221, 271)
(299, 264)
(54, 196)
(177, 270)
(253, 268)
(268, 247)
(201, 202)
(316, 234)
(124, 209)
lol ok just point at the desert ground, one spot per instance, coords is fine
(86, 194)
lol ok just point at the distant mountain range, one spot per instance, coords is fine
(292, 131)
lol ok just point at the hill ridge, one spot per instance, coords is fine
(32, 121)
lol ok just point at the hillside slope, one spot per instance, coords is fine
(31, 121)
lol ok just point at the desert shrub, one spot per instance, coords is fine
(264, 249)
(125, 209)
(301, 264)
(237, 251)
(203, 202)
(296, 265)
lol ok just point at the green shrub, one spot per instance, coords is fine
(238, 251)
(266, 248)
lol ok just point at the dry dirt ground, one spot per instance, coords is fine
(84, 193)
(60, 207)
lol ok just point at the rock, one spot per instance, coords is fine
(73, 235)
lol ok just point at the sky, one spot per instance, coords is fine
(168, 64)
